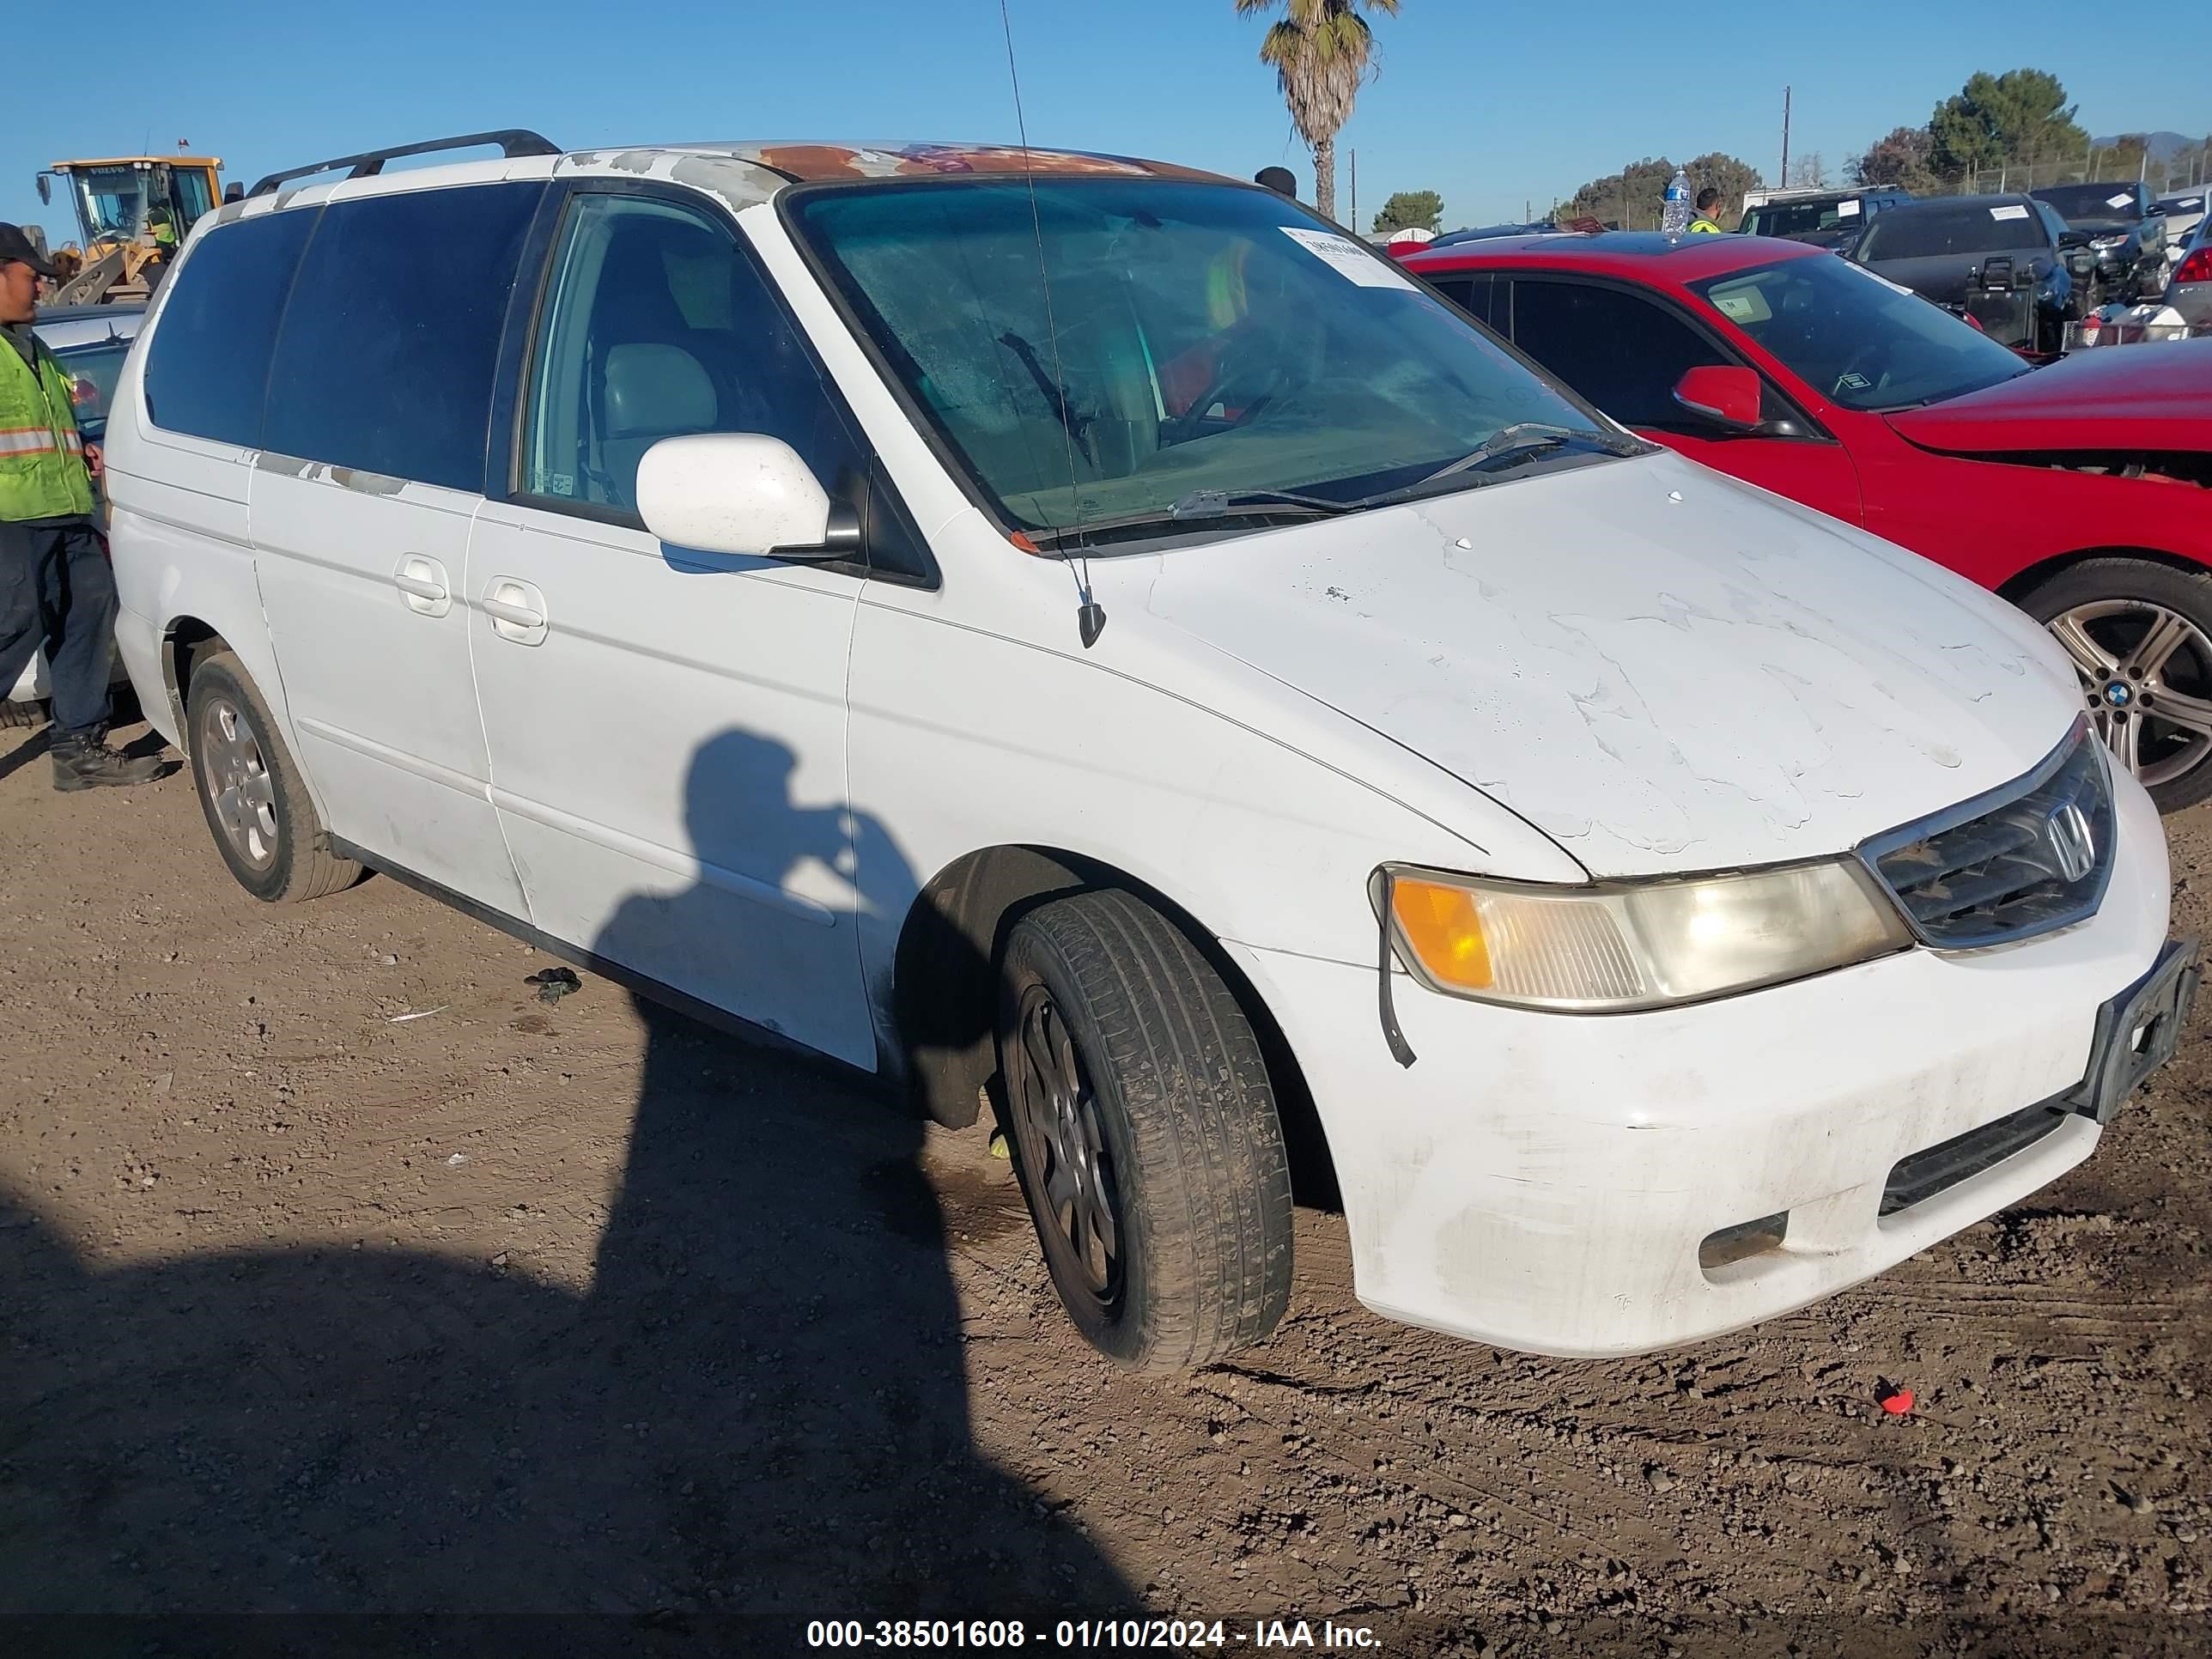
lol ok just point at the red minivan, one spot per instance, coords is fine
(2082, 491)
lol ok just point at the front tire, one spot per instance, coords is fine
(1145, 1134)
(2140, 635)
(257, 805)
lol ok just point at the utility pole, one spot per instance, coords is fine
(1353, 156)
(1782, 183)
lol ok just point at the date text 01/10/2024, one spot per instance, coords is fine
(1168, 1634)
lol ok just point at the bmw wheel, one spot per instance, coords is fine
(2140, 636)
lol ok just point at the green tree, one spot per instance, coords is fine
(1321, 51)
(2003, 120)
(1902, 160)
(1411, 209)
(1634, 197)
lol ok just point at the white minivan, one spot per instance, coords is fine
(1087, 641)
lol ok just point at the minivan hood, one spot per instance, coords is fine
(1661, 669)
(2160, 398)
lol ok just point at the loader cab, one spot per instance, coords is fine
(129, 198)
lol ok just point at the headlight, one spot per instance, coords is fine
(1613, 946)
(2106, 244)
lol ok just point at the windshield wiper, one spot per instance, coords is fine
(1513, 443)
(1525, 438)
(1217, 503)
(1206, 507)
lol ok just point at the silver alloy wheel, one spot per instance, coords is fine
(1063, 1144)
(235, 775)
(2129, 652)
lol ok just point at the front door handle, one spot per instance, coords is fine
(517, 610)
(423, 581)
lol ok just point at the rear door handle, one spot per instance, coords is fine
(517, 610)
(424, 582)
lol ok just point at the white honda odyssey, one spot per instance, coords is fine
(1087, 642)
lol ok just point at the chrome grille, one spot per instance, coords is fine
(2027, 859)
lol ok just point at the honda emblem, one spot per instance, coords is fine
(2073, 845)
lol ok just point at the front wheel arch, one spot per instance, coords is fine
(2021, 583)
(946, 995)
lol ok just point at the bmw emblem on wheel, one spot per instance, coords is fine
(2073, 845)
(2119, 694)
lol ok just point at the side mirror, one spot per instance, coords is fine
(2073, 238)
(743, 494)
(46, 188)
(1724, 397)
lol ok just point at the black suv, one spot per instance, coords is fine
(2008, 265)
(1834, 219)
(2128, 239)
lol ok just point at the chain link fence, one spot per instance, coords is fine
(2188, 170)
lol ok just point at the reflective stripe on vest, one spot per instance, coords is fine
(42, 471)
(36, 441)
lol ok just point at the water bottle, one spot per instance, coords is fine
(1675, 218)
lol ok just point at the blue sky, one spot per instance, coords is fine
(1491, 105)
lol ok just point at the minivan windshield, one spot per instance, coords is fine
(1857, 339)
(1924, 230)
(1133, 348)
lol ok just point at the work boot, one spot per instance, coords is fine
(83, 760)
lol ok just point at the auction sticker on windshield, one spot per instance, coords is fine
(2008, 213)
(1847, 209)
(2118, 201)
(1346, 257)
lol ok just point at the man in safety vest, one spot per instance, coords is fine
(56, 589)
(1708, 221)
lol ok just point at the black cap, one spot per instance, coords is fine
(1277, 179)
(15, 246)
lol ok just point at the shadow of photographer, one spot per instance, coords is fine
(759, 1406)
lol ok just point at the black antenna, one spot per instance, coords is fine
(1089, 616)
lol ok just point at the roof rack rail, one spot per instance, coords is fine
(512, 141)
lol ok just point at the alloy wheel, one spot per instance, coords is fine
(1063, 1146)
(240, 789)
(2146, 677)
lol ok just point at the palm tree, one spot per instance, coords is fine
(1321, 51)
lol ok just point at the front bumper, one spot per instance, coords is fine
(1546, 1181)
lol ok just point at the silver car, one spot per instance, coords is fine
(2189, 293)
(2184, 213)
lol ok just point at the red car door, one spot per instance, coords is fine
(1625, 351)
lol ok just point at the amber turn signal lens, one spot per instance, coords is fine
(1444, 930)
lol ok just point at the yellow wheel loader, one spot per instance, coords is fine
(132, 213)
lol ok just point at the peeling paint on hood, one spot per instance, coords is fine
(1663, 669)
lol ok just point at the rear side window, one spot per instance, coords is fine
(206, 365)
(1622, 353)
(387, 352)
(1471, 292)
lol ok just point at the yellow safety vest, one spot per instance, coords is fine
(1702, 226)
(42, 472)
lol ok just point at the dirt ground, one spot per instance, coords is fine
(310, 1307)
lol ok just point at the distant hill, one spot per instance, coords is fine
(2162, 145)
